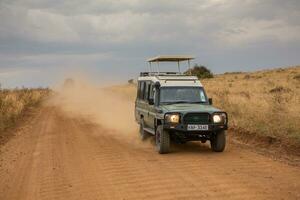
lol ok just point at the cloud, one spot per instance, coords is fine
(247, 31)
(148, 21)
(62, 33)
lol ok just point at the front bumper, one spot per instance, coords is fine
(183, 128)
(180, 133)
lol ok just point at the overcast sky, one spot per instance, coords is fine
(41, 42)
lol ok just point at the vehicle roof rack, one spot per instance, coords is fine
(161, 74)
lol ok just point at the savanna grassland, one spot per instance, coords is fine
(264, 103)
(14, 102)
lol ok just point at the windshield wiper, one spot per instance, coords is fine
(182, 102)
(198, 102)
(176, 102)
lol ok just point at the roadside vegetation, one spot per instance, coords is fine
(14, 102)
(200, 71)
(264, 103)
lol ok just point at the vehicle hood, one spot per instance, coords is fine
(185, 108)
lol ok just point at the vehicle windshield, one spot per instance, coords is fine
(170, 95)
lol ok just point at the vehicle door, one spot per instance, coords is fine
(137, 112)
(145, 104)
(141, 103)
(151, 107)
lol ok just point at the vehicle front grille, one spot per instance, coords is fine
(196, 118)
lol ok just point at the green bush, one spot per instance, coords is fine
(200, 71)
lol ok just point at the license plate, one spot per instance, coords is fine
(197, 127)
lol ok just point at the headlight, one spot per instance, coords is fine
(172, 118)
(219, 118)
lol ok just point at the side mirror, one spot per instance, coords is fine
(151, 101)
(210, 101)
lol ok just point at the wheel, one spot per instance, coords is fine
(143, 133)
(218, 142)
(162, 139)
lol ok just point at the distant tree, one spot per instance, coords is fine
(200, 71)
(131, 81)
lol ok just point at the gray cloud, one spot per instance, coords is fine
(225, 35)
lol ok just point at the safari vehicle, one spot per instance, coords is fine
(173, 106)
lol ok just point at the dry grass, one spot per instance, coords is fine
(14, 102)
(265, 102)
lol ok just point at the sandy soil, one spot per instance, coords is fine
(66, 154)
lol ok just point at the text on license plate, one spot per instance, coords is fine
(197, 127)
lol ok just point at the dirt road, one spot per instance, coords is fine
(60, 157)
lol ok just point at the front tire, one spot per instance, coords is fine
(162, 139)
(218, 142)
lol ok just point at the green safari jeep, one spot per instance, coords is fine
(174, 107)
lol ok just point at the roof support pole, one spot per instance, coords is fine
(189, 63)
(178, 66)
(158, 67)
(150, 68)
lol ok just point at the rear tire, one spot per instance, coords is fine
(218, 142)
(143, 133)
(162, 139)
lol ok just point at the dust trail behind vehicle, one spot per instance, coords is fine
(104, 106)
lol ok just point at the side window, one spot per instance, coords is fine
(138, 90)
(151, 91)
(146, 91)
(141, 94)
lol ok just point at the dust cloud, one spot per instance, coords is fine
(111, 107)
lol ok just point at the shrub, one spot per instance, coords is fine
(297, 77)
(247, 76)
(279, 89)
(200, 71)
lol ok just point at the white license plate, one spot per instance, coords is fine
(197, 127)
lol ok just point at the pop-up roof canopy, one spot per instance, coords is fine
(170, 58)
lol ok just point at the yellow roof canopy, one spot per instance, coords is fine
(170, 58)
